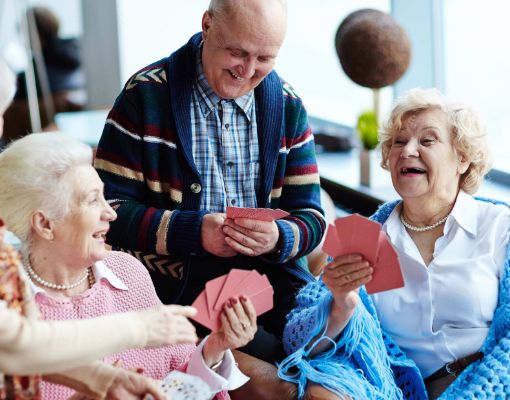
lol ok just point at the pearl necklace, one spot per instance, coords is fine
(422, 228)
(33, 276)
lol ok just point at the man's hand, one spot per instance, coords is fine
(213, 237)
(250, 236)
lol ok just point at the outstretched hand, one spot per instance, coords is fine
(168, 325)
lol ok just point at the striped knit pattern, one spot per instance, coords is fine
(103, 299)
(145, 159)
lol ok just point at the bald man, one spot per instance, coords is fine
(212, 126)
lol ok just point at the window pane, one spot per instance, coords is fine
(477, 65)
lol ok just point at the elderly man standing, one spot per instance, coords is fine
(212, 126)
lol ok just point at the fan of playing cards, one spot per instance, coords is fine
(237, 282)
(357, 234)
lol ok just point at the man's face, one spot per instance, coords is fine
(237, 55)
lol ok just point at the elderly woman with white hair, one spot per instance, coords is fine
(65, 352)
(446, 333)
(53, 201)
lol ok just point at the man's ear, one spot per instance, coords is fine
(206, 24)
(42, 225)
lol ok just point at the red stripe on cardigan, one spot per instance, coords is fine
(143, 231)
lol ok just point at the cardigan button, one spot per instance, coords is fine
(196, 188)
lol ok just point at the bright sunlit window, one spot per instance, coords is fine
(477, 65)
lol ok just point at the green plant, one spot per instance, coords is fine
(367, 130)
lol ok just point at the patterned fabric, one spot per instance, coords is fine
(339, 369)
(103, 299)
(146, 161)
(225, 147)
(14, 293)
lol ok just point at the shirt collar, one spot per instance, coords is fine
(208, 100)
(100, 270)
(463, 213)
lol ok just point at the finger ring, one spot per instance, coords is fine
(347, 278)
(243, 325)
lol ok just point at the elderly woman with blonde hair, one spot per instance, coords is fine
(445, 334)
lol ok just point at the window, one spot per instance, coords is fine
(476, 65)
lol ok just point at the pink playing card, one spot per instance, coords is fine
(255, 285)
(387, 273)
(261, 214)
(359, 235)
(331, 245)
(213, 288)
(263, 300)
(233, 279)
(252, 277)
(202, 316)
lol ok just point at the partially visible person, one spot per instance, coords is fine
(57, 209)
(64, 351)
(62, 61)
(63, 73)
(445, 334)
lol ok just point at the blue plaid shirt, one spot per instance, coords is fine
(225, 146)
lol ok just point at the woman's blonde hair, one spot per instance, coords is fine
(469, 137)
(33, 172)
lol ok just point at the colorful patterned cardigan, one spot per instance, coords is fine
(366, 363)
(145, 159)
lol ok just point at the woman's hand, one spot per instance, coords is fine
(238, 327)
(168, 325)
(344, 276)
(129, 385)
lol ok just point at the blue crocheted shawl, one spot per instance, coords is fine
(365, 363)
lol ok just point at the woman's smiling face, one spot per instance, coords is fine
(422, 159)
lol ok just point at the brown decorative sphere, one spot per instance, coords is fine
(373, 48)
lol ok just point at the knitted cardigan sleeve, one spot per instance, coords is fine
(138, 160)
(296, 187)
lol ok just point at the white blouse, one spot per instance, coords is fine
(444, 311)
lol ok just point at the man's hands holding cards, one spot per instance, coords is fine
(248, 231)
